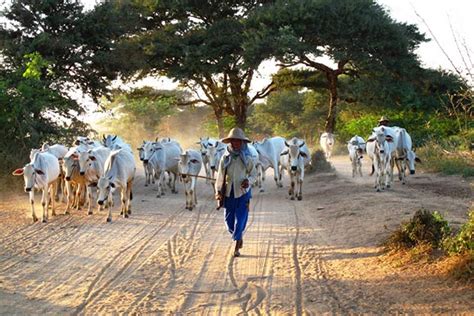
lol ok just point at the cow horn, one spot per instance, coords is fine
(114, 138)
(103, 136)
(286, 144)
(302, 144)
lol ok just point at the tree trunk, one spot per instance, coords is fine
(220, 127)
(241, 116)
(332, 111)
(220, 122)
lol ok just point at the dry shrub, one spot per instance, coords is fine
(424, 228)
(319, 163)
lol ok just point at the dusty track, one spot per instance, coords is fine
(319, 255)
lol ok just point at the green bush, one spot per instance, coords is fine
(319, 163)
(463, 241)
(424, 228)
(436, 159)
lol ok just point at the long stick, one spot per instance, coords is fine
(191, 175)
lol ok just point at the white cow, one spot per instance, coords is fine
(327, 143)
(114, 142)
(356, 148)
(147, 168)
(258, 165)
(215, 150)
(379, 151)
(91, 167)
(404, 154)
(59, 151)
(163, 157)
(204, 144)
(119, 174)
(41, 174)
(189, 165)
(269, 150)
(294, 159)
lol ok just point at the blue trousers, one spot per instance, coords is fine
(236, 213)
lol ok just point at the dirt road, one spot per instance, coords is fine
(319, 255)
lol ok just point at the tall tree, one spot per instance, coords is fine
(201, 44)
(79, 47)
(358, 36)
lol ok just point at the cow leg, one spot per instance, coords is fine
(89, 197)
(175, 176)
(44, 203)
(124, 199)
(68, 197)
(129, 197)
(300, 183)
(32, 202)
(160, 184)
(292, 186)
(53, 194)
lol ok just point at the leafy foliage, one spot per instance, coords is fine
(463, 241)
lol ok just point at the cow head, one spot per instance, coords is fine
(294, 153)
(215, 152)
(412, 158)
(109, 141)
(106, 186)
(29, 174)
(85, 158)
(150, 149)
(70, 163)
(204, 143)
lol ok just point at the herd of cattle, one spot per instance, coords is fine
(91, 167)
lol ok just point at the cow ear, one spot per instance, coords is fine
(77, 142)
(370, 140)
(18, 172)
(303, 154)
(39, 171)
(284, 153)
(418, 159)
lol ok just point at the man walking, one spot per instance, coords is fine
(236, 173)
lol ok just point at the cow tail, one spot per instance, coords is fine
(373, 170)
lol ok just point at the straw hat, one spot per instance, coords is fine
(384, 119)
(235, 133)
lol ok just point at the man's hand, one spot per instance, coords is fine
(245, 184)
(219, 196)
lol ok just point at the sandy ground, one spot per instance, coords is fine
(320, 255)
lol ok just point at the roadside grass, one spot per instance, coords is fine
(428, 240)
(437, 159)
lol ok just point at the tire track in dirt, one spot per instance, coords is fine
(92, 292)
(297, 268)
(171, 249)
